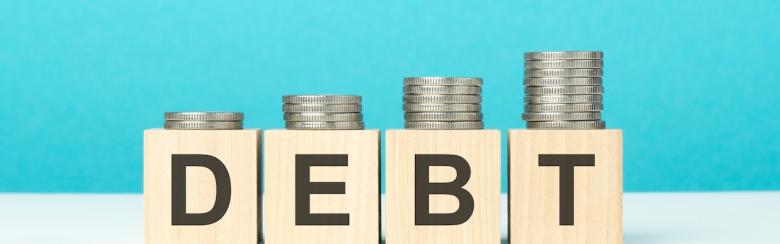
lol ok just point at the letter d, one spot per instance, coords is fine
(179, 164)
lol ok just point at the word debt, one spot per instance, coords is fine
(284, 186)
(304, 189)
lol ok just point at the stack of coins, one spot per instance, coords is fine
(323, 112)
(204, 120)
(443, 103)
(563, 90)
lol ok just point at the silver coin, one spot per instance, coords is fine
(575, 125)
(564, 64)
(555, 55)
(541, 73)
(443, 116)
(204, 116)
(565, 107)
(441, 90)
(443, 81)
(321, 108)
(558, 81)
(203, 125)
(441, 125)
(442, 107)
(323, 116)
(442, 98)
(322, 99)
(555, 90)
(566, 116)
(324, 125)
(563, 99)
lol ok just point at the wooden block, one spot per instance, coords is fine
(421, 211)
(342, 186)
(183, 170)
(566, 186)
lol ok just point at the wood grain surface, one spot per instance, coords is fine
(534, 191)
(480, 148)
(238, 150)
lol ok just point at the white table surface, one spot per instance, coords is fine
(732, 217)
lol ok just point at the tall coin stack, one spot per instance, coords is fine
(204, 120)
(563, 90)
(443, 103)
(323, 112)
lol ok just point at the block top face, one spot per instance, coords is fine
(555, 138)
(552, 131)
(163, 130)
(321, 131)
(448, 132)
(330, 137)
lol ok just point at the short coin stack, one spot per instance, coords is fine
(323, 112)
(204, 120)
(563, 90)
(443, 103)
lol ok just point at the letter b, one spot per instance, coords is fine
(423, 188)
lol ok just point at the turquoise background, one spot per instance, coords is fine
(693, 84)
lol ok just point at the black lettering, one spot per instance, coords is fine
(423, 188)
(567, 162)
(179, 164)
(304, 188)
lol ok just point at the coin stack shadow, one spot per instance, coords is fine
(563, 90)
(323, 112)
(443, 103)
(204, 120)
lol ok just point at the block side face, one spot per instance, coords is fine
(535, 206)
(481, 149)
(153, 151)
(361, 186)
(237, 150)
